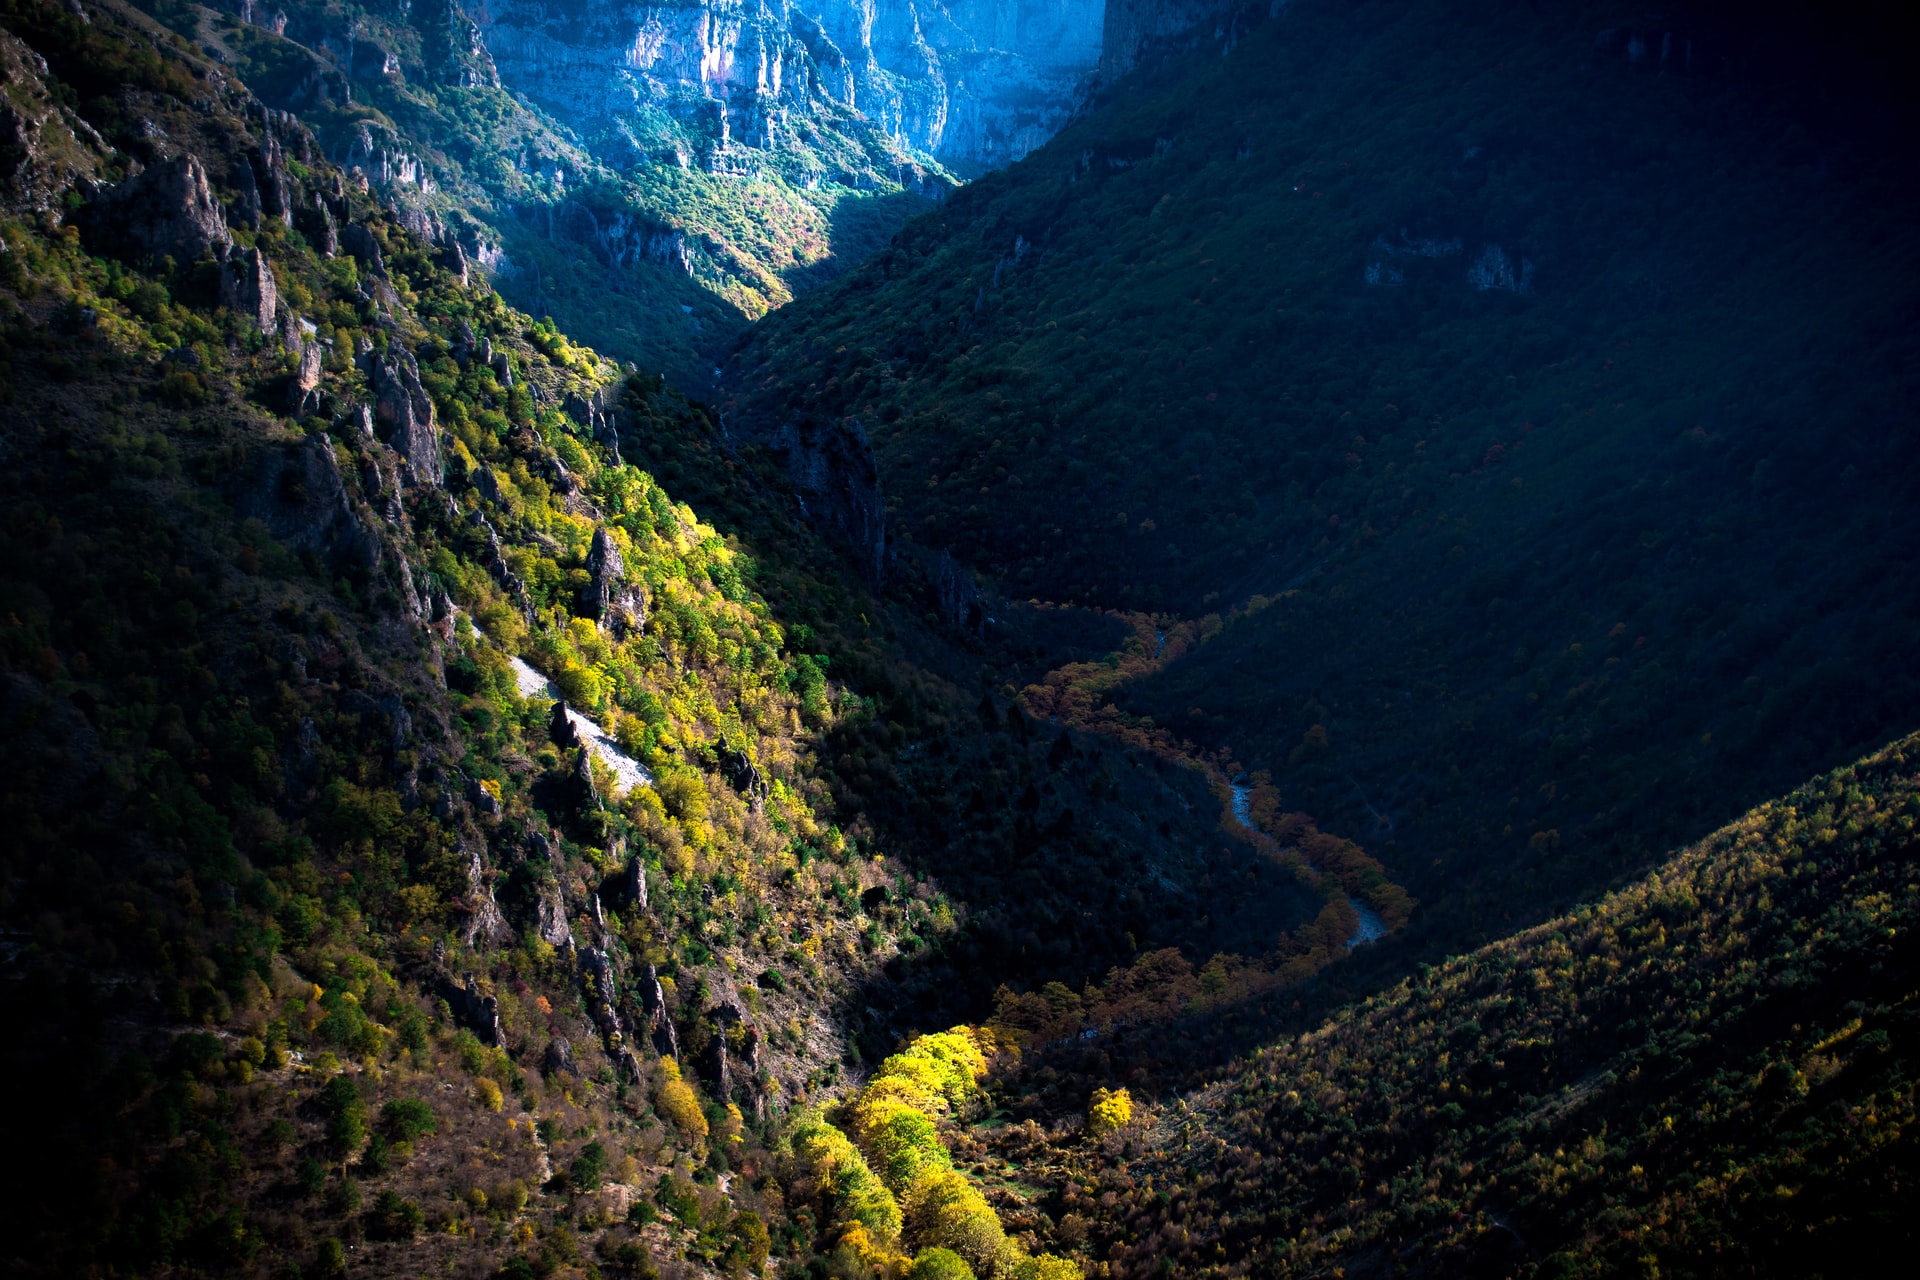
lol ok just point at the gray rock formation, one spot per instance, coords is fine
(653, 1005)
(551, 919)
(558, 1059)
(168, 210)
(832, 467)
(605, 569)
(486, 925)
(404, 407)
(247, 286)
(969, 82)
(303, 393)
(586, 792)
(637, 883)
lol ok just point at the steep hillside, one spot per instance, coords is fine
(432, 842)
(657, 176)
(654, 229)
(1519, 389)
(1711, 1072)
(973, 84)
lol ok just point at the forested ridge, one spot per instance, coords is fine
(1709, 1072)
(472, 809)
(1511, 400)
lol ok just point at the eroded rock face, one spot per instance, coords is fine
(551, 918)
(477, 1011)
(1131, 27)
(833, 468)
(613, 602)
(970, 82)
(168, 210)
(299, 494)
(659, 1021)
(42, 152)
(247, 287)
(558, 1059)
(303, 393)
(404, 406)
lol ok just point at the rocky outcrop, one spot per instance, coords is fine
(551, 920)
(558, 1059)
(357, 240)
(303, 392)
(317, 223)
(452, 48)
(742, 773)
(659, 1022)
(477, 1011)
(603, 996)
(560, 727)
(833, 471)
(1495, 271)
(299, 495)
(496, 560)
(605, 568)
(637, 883)
(1131, 27)
(405, 409)
(42, 154)
(247, 286)
(958, 597)
(486, 924)
(168, 210)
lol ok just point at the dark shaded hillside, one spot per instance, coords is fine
(1541, 374)
(1709, 1073)
(432, 845)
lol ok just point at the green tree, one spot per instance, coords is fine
(346, 1116)
(939, 1264)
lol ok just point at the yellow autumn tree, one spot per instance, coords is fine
(1110, 1111)
(675, 1099)
(854, 1192)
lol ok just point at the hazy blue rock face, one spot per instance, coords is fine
(973, 83)
(1130, 27)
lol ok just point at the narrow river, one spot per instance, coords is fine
(1371, 926)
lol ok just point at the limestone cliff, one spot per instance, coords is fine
(973, 83)
(1130, 27)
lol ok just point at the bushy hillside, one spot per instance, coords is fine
(1520, 386)
(1710, 1072)
(433, 843)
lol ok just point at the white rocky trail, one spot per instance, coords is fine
(629, 772)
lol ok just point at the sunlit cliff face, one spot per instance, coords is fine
(973, 84)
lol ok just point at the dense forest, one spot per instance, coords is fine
(1518, 419)
(1229, 703)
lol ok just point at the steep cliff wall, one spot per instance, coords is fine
(973, 84)
(1131, 26)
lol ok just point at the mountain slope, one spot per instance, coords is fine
(653, 233)
(1521, 388)
(432, 844)
(1710, 1072)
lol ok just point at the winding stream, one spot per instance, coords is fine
(1371, 926)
